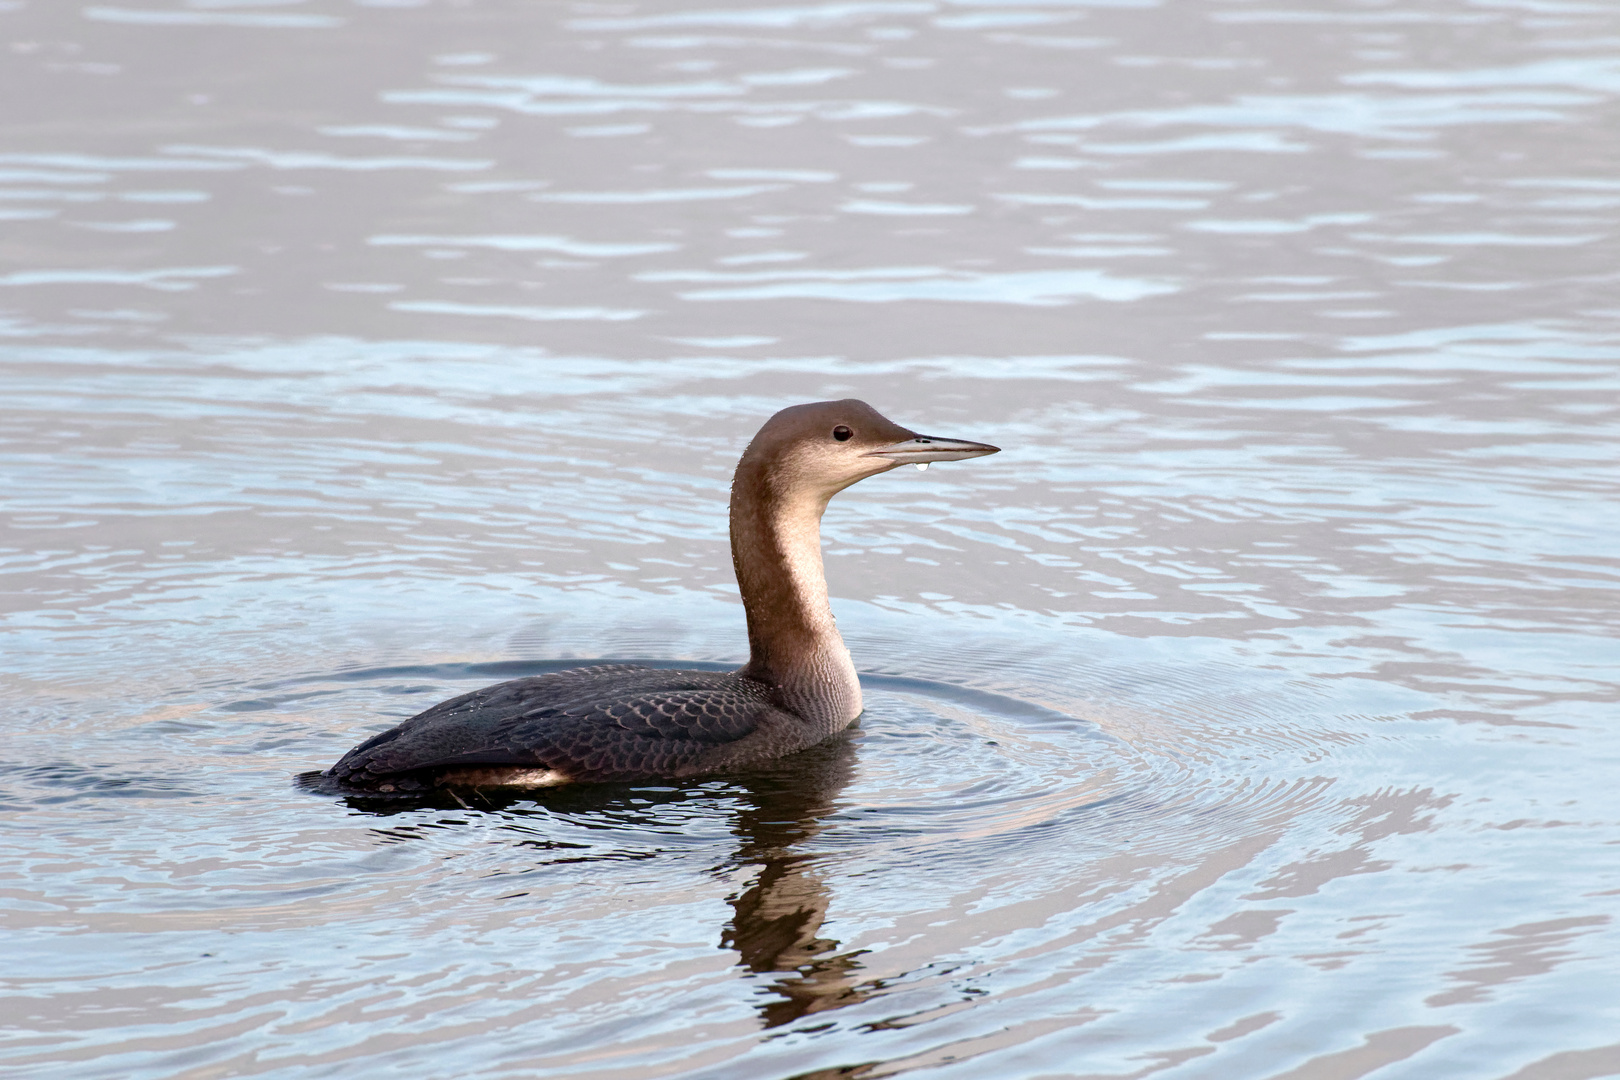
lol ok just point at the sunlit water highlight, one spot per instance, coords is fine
(1254, 714)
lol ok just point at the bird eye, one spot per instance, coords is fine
(842, 433)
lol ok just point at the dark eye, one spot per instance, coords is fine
(842, 433)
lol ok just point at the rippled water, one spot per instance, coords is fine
(1255, 714)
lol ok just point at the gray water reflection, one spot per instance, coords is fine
(1252, 715)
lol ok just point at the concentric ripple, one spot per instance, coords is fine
(928, 763)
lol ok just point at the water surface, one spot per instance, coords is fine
(1254, 714)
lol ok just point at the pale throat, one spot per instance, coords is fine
(791, 629)
(796, 529)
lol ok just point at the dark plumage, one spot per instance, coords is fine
(624, 722)
(606, 722)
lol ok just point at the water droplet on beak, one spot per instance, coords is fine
(922, 466)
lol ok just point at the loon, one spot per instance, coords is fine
(621, 722)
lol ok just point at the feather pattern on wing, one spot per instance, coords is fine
(611, 721)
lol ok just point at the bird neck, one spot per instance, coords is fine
(793, 640)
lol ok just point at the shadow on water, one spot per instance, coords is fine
(776, 810)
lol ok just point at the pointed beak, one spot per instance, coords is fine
(921, 449)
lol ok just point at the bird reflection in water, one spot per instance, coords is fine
(776, 922)
(777, 919)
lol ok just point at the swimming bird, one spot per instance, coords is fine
(614, 722)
